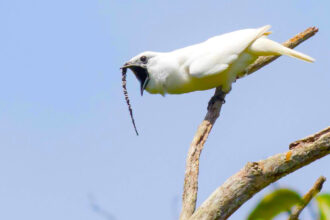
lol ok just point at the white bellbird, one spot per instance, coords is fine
(215, 62)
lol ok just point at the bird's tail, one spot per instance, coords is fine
(265, 47)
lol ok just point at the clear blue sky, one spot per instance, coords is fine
(65, 132)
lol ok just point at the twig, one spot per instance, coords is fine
(307, 198)
(257, 175)
(192, 162)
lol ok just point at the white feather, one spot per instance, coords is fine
(215, 62)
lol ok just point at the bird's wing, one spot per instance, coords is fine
(218, 53)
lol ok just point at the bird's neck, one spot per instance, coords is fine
(163, 66)
(168, 74)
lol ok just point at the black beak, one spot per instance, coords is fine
(141, 73)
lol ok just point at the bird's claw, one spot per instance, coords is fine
(214, 99)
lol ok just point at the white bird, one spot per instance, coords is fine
(212, 63)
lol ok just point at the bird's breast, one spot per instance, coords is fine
(179, 85)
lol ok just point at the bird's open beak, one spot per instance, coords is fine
(140, 72)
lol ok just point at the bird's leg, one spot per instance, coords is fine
(217, 97)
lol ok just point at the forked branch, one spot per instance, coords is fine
(257, 175)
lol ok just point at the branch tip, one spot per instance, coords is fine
(317, 187)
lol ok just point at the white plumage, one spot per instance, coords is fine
(215, 62)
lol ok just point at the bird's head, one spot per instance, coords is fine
(140, 65)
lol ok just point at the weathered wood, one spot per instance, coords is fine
(257, 175)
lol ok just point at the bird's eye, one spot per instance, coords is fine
(143, 59)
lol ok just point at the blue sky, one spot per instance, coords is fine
(66, 139)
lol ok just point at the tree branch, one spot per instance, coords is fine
(257, 175)
(192, 162)
(307, 198)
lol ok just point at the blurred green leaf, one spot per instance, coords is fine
(323, 202)
(280, 200)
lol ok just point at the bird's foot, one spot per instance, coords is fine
(214, 99)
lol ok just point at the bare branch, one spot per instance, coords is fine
(307, 198)
(192, 162)
(257, 175)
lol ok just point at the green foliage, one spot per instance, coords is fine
(278, 201)
(323, 202)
